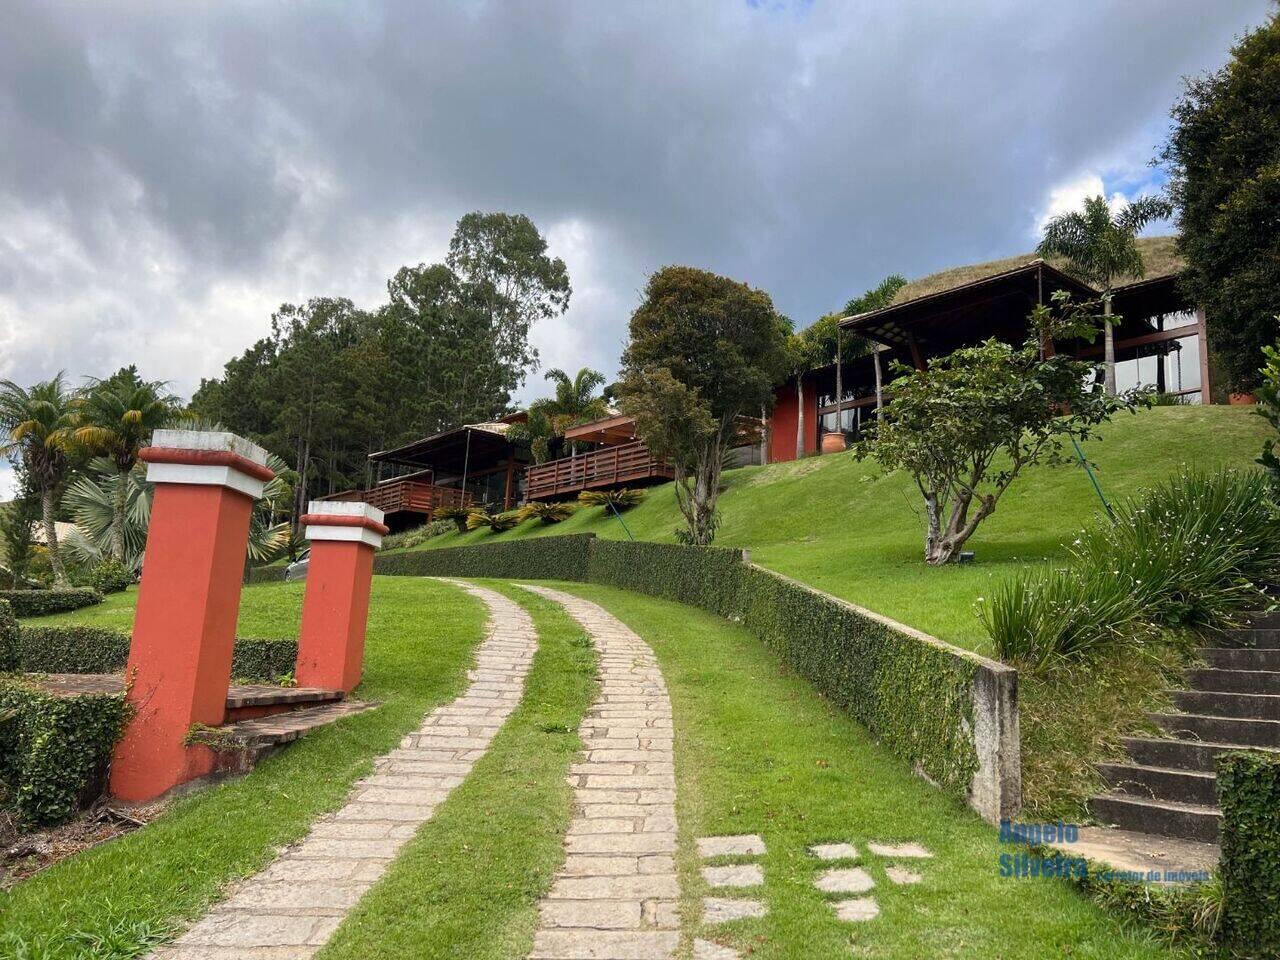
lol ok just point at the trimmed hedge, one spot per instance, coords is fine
(40, 603)
(265, 575)
(543, 558)
(54, 750)
(1249, 794)
(8, 638)
(80, 649)
(916, 694)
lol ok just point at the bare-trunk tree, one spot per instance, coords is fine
(1108, 346)
(799, 415)
(48, 508)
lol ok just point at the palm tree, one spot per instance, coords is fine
(116, 419)
(39, 426)
(575, 400)
(1100, 249)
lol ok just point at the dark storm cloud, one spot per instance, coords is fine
(171, 172)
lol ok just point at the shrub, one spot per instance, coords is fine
(543, 558)
(110, 576)
(496, 522)
(1193, 549)
(39, 603)
(265, 575)
(8, 638)
(456, 515)
(1054, 613)
(54, 750)
(617, 499)
(1249, 794)
(81, 649)
(407, 539)
(1187, 552)
(546, 512)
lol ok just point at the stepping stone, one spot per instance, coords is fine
(748, 845)
(706, 950)
(899, 875)
(845, 880)
(901, 850)
(740, 875)
(856, 911)
(720, 910)
(834, 851)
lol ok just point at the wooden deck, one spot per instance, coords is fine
(408, 496)
(612, 466)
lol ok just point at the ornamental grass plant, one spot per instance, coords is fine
(1188, 552)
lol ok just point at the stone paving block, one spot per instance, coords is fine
(588, 944)
(900, 875)
(856, 910)
(638, 887)
(746, 845)
(834, 851)
(597, 914)
(721, 910)
(899, 850)
(736, 875)
(845, 880)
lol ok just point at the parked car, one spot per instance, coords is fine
(298, 569)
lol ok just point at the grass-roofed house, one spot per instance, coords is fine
(1160, 341)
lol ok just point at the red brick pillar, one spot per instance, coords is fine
(189, 599)
(335, 610)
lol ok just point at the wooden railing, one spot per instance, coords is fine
(628, 463)
(414, 496)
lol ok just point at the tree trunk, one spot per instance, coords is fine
(934, 527)
(764, 436)
(1108, 346)
(118, 507)
(47, 508)
(799, 416)
(839, 390)
(879, 382)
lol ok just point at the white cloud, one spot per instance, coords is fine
(8, 482)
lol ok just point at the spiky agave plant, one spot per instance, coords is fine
(546, 512)
(459, 516)
(497, 522)
(618, 499)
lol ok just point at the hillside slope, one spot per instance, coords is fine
(856, 532)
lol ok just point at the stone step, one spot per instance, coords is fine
(1240, 658)
(1246, 733)
(251, 701)
(240, 745)
(1160, 783)
(1252, 637)
(1213, 703)
(1235, 681)
(1263, 620)
(1177, 754)
(1165, 818)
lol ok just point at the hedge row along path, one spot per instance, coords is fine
(291, 909)
(617, 893)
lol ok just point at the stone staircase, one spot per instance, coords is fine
(1169, 787)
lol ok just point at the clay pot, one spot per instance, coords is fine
(1240, 400)
(834, 443)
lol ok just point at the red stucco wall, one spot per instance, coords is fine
(782, 433)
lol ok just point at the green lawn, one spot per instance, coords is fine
(758, 751)
(848, 529)
(110, 902)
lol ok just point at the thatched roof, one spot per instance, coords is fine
(1158, 256)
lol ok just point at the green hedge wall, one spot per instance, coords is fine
(79, 649)
(1249, 794)
(265, 575)
(540, 558)
(8, 638)
(39, 603)
(54, 751)
(914, 694)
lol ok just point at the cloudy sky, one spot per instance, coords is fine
(172, 172)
